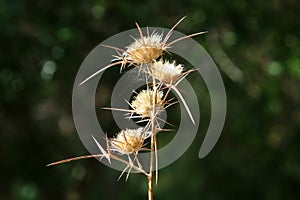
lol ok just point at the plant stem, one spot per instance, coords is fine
(150, 176)
(153, 142)
(150, 186)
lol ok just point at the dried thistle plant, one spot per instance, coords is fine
(145, 53)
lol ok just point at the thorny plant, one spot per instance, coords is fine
(145, 53)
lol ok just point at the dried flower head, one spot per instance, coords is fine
(166, 72)
(145, 50)
(129, 141)
(142, 103)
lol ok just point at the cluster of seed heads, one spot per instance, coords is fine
(146, 53)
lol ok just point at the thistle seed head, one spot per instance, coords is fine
(129, 141)
(145, 49)
(166, 72)
(143, 103)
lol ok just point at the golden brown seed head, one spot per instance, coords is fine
(145, 49)
(129, 141)
(142, 103)
(166, 72)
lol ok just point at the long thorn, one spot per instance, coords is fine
(75, 158)
(185, 37)
(101, 70)
(105, 154)
(112, 47)
(140, 32)
(171, 30)
(184, 103)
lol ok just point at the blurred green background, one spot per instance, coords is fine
(256, 45)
